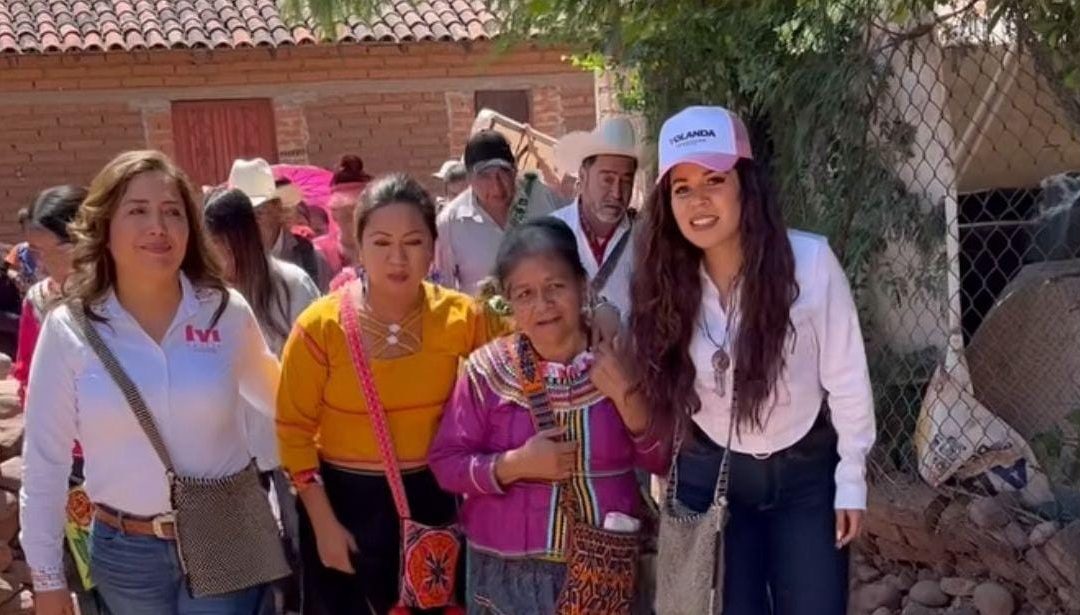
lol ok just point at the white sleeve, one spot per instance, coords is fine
(51, 430)
(302, 294)
(445, 263)
(257, 369)
(846, 380)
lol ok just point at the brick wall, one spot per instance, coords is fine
(400, 107)
(46, 144)
(406, 131)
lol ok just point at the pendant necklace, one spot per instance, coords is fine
(721, 360)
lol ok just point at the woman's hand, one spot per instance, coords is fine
(336, 546)
(54, 602)
(849, 526)
(605, 325)
(543, 457)
(611, 376)
(609, 373)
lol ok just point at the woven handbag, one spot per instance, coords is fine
(226, 535)
(691, 546)
(601, 565)
(430, 556)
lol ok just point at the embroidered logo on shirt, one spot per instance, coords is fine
(202, 339)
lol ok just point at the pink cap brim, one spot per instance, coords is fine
(721, 163)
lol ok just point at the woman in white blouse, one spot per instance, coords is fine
(747, 333)
(278, 292)
(144, 272)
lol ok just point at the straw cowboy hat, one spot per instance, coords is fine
(254, 178)
(614, 136)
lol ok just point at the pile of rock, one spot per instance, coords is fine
(15, 596)
(907, 590)
(977, 550)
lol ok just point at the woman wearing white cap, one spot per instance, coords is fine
(751, 344)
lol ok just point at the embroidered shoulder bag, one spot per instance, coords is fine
(429, 555)
(601, 565)
(226, 534)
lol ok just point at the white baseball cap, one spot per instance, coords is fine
(254, 178)
(712, 137)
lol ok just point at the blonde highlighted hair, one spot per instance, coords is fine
(94, 272)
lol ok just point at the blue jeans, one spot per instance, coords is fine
(140, 575)
(780, 555)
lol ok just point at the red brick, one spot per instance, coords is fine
(10, 157)
(53, 157)
(142, 82)
(72, 144)
(30, 121)
(38, 146)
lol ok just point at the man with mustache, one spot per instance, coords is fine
(605, 161)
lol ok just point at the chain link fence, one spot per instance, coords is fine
(974, 322)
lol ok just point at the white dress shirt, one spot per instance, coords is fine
(192, 383)
(469, 238)
(825, 359)
(617, 288)
(261, 432)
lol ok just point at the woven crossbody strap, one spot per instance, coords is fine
(723, 475)
(609, 264)
(127, 387)
(535, 389)
(350, 319)
(521, 204)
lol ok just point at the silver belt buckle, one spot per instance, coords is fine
(159, 523)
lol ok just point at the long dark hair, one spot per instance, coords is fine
(230, 217)
(55, 208)
(666, 292)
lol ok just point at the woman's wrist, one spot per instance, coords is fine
(631, 406)
(506, 464)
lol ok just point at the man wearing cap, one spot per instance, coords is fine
(472, 225)
(455, 180)
(255, 178)
(605, 161)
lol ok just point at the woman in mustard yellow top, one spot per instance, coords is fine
(415, 334)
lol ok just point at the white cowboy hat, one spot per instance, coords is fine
(447, 167)
(255, 179)
(614, 136)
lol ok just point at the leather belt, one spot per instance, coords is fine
(161, 526)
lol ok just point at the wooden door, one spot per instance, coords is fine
(211, 134)
(514, 104)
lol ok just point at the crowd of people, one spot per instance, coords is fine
(402, 402)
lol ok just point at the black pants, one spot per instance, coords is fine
(780, 542)
(363, 504)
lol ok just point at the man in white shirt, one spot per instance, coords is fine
(454, 179)
(472, 225)
(605, 161)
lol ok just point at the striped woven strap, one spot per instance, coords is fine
(123, 382)
(350, 319)
(532, 384)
